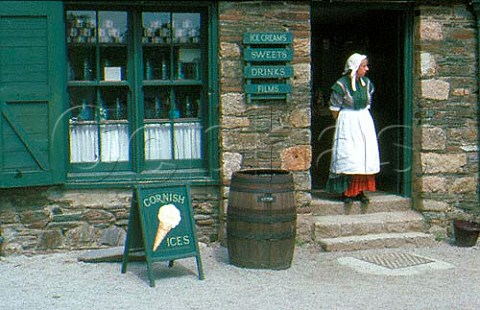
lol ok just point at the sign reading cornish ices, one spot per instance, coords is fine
(161, 224)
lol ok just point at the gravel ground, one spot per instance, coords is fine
(316, 280)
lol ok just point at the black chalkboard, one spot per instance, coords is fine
(161, 224)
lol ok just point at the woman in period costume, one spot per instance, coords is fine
(355, 156)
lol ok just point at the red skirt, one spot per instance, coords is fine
(359, 184)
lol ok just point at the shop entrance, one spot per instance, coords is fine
(337, 32)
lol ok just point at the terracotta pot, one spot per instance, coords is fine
(466, 232)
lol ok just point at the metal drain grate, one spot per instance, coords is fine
(395, 260)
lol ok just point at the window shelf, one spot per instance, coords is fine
(98, 83)
(149, 83)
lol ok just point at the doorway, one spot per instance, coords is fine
(337, 32)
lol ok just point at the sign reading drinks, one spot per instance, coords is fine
(267, 70)
(161, 224)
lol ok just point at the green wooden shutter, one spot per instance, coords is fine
(32, 93)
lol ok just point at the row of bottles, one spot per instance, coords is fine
(90, 112)
(156, 72)
(162, 31)
(82, 27)
(85, 70)
(161, 109)
(159, 70)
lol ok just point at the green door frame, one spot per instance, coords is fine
(407, 115)
(404, 186)
(476, 9)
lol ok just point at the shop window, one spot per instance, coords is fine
(137, 89)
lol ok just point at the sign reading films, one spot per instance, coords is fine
(268, 71)
(161, 224)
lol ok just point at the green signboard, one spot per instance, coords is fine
(268, 54)
(265, 72)
(161, 224)
(268, 38)
(268, 70)
(264, 89)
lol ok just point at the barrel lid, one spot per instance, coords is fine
(263, 172)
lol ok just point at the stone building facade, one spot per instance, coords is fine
(443, 112)
(264, 136)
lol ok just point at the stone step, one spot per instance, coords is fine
(386, 222)
(376, 241)
(327, 204)
(332, 226)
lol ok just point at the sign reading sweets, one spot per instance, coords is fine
(267, 71)
(268, 54)
(161, 224)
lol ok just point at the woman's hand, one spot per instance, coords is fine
(334, 114)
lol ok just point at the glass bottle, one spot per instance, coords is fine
(164, 69)
(102, 113)
(180, 74)
(158, 108)
(148, 70)
(86, 70)
(118, 109)
(199, 108)
(175, 113)
(71, 72)
(188, 107)
(85, 113)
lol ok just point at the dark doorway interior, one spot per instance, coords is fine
(337, 32)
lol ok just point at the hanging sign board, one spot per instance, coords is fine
(266, 72)
(267, 57)
(268, 38)
(268, 54)
(260, 89)
(161, 224)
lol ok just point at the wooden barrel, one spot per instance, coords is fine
(261, 219)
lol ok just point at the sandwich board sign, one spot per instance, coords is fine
(161, 224)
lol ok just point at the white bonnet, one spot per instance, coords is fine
(352, 64)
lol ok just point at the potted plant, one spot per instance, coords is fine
(466, 230)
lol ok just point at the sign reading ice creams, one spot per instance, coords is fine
(161, 224)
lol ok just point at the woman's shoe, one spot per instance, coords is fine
(347, 199)
(363, 198)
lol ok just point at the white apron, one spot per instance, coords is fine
(355, 146)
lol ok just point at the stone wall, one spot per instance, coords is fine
(277, 135)
(445, 114)
(270, 134)
(36, 220)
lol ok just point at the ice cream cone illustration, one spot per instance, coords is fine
(169, 217)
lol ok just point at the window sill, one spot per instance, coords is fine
(127, 180)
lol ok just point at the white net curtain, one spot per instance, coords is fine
(158, 141)
(113, 142)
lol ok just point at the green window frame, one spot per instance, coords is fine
(142, 93)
